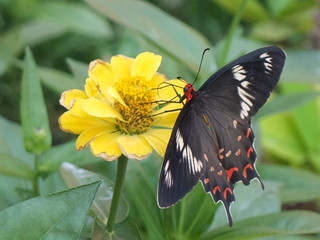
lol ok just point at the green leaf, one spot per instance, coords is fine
(251, 201)
(57, 81)
(168, 33)
(34, 116)
(74, 176)
(302, 66)
(52, 159)
(56, 216)
(278, 224)
(79, 70)
(285, 102)
(297, 185)
(281, 138)
(254, 10)
(11, 166)
(75, 17)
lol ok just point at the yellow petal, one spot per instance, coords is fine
(106, 146)
(170, 108)
(145, 65)
(166, 120)
(93, 131)
(98, 108)
(68, 97)
(114, 93)
(74, 124)
(77, 110)
(158, 139)
(134, 146)
(101, 72)
(171, 90)
(121, 66)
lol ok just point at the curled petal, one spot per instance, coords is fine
(121, 66)
(134, 146)
(158, 139)
(75, 124)
(92, 132)
(145, 65)
(97, 108)
(114, 93)
(106, 146)
(68, 97)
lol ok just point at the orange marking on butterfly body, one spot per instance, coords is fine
(230, 172)
(245, 169)
(216, 188)
(206, 180)
(225, 192)
(250, 150)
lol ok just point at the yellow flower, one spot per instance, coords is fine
(115, 112)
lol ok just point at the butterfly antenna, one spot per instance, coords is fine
(204, 51)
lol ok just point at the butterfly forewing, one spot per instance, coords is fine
(212, 140)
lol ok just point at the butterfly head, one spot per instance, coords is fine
(189, 92)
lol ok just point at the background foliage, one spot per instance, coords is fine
(38, 162)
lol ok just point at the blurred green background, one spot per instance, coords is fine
(64, 36)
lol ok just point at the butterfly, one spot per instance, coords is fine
(212, 139)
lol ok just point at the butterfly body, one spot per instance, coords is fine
(212, 139)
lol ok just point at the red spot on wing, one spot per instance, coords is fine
(248, 132)
(220, 173)
(245, 169)
(206, 180)
(215, 189)
(239, 138)
(238, 152)
(212, 169)
(250, 150)
(228, 153)
(230, 172)
(225, 192)
(220, 156)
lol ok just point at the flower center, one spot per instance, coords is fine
(138, 98)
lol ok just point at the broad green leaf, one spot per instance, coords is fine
(251, 201)
(79, 70)
(281, 138)
(52, 159)
(74, 176)
(55, 216)
(168, 33)
(254, 11)
(34, 116)
(74, 17)
(57, 81)
(11, 141)
(277, 224)
(297, 185)
(11, 166)
(280, 31)
(302, 66)
(285, 102)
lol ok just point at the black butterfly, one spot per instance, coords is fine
(212, 139)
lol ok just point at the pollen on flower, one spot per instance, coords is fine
(138, 98)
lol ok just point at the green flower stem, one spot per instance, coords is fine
(231, 32)
(35, 181)
(121, 170)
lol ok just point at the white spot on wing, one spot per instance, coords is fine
(194, 164)
(179, 140)
(264, 55)
(268, 66)
(238, 72)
